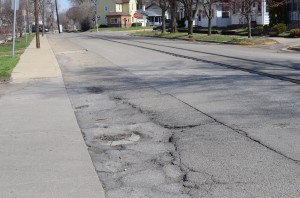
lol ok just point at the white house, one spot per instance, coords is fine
(224, 15)
(152, 14)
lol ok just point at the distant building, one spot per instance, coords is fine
(116, 13)
(225, 14)
(153, 14)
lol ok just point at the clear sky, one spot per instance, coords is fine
(64, 4)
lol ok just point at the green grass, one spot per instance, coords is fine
(233, 39)
(120, 29)
(7, 62)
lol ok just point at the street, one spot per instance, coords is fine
(174, 118)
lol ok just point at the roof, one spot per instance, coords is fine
(150, 12)
(122, 1)
(118, 14)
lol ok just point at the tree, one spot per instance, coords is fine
(207, 5)
(82, 13)
(63, 19)
(277, 12)
(164, 6)
(190, 8)
(245, 8)
(173, 10)
(6, 18)
(36, 15)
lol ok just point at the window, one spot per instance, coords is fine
(259, 7)
(119, 6)
(267, 6)
(225, 11)
(199, 15)
(106, 8)
(114, 20)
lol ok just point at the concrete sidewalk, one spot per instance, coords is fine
(42, 151)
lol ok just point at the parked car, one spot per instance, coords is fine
(40, 28)
(159, 27)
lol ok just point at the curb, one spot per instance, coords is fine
(294, 48)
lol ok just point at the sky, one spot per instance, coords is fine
(64, 4)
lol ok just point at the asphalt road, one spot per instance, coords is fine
(169, 118)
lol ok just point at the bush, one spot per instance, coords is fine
(280, 27)
(258, 31)
(273, 32)
(134, 24)
(85, 24)
(103, 26)
(295, 33)
(228, 32)
(266, 29)
(181, 23)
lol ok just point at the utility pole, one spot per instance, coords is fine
(57, 16)
(37, 31)
(43, 18)
(14, 7)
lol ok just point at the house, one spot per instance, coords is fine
(293, 11)
(116, 13)
(224, 14)
(153, 14)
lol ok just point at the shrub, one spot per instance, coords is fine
(85, 24)
(266, 29)
(295, 33)
(258, 31)
(181, 23)
(280, 27)
(103, 26)
(273, 32)
(134, 24)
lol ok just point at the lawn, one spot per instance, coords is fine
(7, 62)
(120, 29)
(231, 39)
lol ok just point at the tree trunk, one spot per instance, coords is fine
(249, 26)
(190, 26)
(163, 24)
(173, 16)
(209, 26)
(36, 14)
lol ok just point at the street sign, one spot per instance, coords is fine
(13, 2)
(136, 15)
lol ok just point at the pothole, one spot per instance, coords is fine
(113, 138)
(82, 107)
(94, 90)
(120, 139)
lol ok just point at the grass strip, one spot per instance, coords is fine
(7, 62)
(231, 39)
(117, 29)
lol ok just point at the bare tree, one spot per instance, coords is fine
(63, 19)
(82, 13)
(207, 5)
(6, 18)
(173, 10)
(79, 2)
(245, 9)
(190, 8)
(164, 6)
(36, 15)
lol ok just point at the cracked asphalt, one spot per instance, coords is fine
(156, 127)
